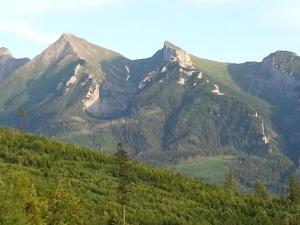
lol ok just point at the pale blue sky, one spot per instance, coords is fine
(223, 30)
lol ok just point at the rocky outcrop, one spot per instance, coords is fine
(284, 62)
(216, 90)
(4, 51)
(281, 73)
(173, 54)
(92, 96)
(264, 136)
(146, 80)
(181, 81)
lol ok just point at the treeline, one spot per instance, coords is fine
(48, 182)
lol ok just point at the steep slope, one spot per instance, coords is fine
(49, 182)
(9, 64)
(276, 79)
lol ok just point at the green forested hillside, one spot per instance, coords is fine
(48, 182)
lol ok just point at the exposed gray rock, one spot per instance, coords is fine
(172, 53)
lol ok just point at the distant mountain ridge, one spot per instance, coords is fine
(8, 64)
(168, 109)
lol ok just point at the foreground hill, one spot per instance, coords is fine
(48, 182)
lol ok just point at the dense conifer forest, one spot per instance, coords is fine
(46, 182)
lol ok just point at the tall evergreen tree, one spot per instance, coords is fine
(23, 115)
(294, 190)
(34, 208)
(230, 180)
(260, 190)
(64, 207)
(123, 173)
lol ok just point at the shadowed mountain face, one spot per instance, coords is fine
(169, 109)
(9, 64)
(277, 80)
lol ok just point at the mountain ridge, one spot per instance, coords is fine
(167, 109)
(9, 64)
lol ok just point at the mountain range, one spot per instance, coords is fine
(197, 116)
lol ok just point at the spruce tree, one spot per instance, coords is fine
(23, 115)
(64, 207)
(123, 174)
(294, 190)
(260, 190)
(230, 180)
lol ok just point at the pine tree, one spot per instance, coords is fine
(34, 208)
(64, 206)
(230, 180)
(294, 190)
(123, 173)
(23, 115)
(260, 190)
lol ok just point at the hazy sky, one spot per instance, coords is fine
(223, 30)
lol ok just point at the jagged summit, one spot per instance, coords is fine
(172, 53)
(4, 51)
(73, 47)
(71, 39)
(84, 49)
(284, 61)
(168, 44)
(66, 35)
(281, 55)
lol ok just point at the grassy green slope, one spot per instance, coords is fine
(49, 182)
(220, 74)
(212, 169)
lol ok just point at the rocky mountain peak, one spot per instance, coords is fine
(5, 52)
(57, 51)
(281, 56)
(172, 53)
(283, 61)
(168, 44)
(70, 39)
(67, 35)
(82, 48)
